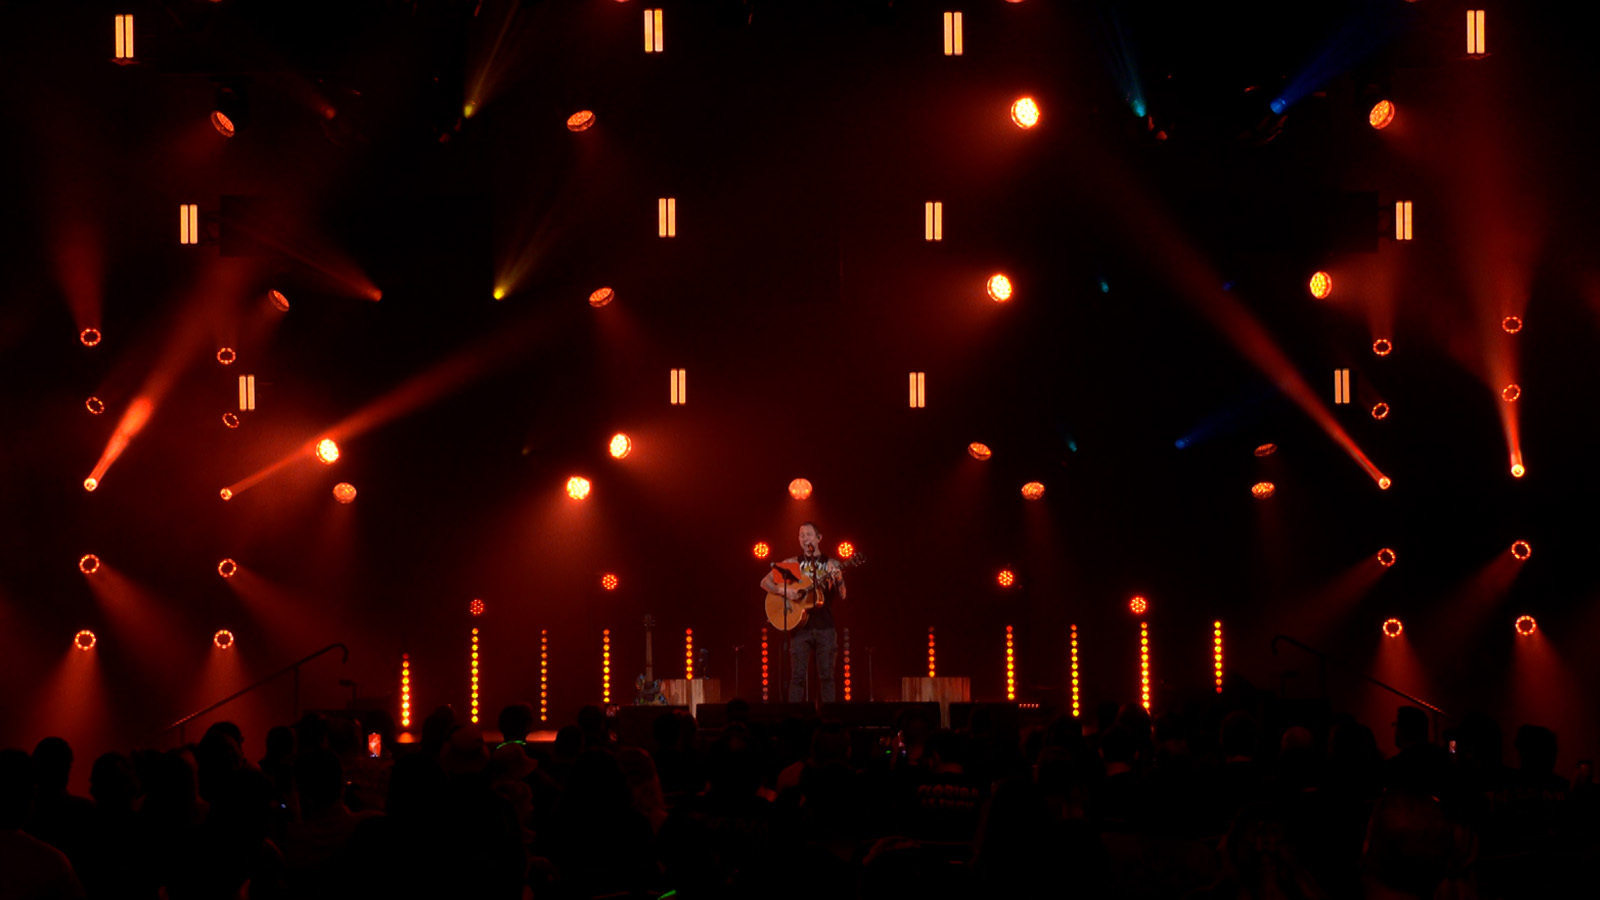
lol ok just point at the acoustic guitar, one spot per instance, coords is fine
(811, 594)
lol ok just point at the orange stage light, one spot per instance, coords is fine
(1521, 550)
(764, 695)
(1033, 490)
(84, 640)
(1384, 483)
(473, 696)
(1517, 470)
(278, 300)
(609, 581)
(1386, 557)
(601, 297)
(578, 487)
(475, 607)
(226, 494)
(344, 492)
(1216, 653)
(979, 451)
(405, 690)
(124, 34)
(1011, 666)
(1006, 578)
(999, 288)
(582, 120)
(89, 564)
(499, 292)
(846, 663)
(221, 122)
(1321, 285)
(1383, 346)
(1261, 490)
(1380, 411)
(1510, 393)
(230, 420)
(544, 675)
(227, 568)
(620, 446)
(1525, 625)
(226, 356)
(1382, 115)
(1076, 708)
(800, 489)
(327, 451)
(1511, 324)
(223, 639)
(1138, 606)
(1392, 628)
(845, 550)
(688, 653)
(605, 666)
(90, 483)
(94, 405)
(761, 550)
(931, 669)
(1266, 449)
(1144, 665)
(89, 337)
(1025, 112)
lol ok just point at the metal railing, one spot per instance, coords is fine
(294, 667)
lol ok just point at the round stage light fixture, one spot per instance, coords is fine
(475, 607)
(499, 292)
(800, 489)
(1266, 449)
(227, 568)
(1025, 112)
(1517, 471)
(327, 451)
(1384, 483)
(94, 405)
(89, 564)
(1525, 625)
(221, 122)
(1511, 324)
(223, 639)
(1321, 285)
(1392, 628)
(621, 445)
(89, 336)
(979, 451)
(278, 300)
(1521, 550)
(1386, 557)
(1033, 490)
(578, 487)
(1006, 578)
(1510, 393)
(344, 492)
(227, 356)
(582, 120)
(1138, 606)
(1380, 411)
(1261, 490)
(84, 640)
(230, 420)
(761, 550)
(226, 494)
(1382, 115)
(1383, 346)
(90, 483)
(845, 550)
(609, 581)
(601, 297)
(999, 288)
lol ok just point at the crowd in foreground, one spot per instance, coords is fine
(1196, 803)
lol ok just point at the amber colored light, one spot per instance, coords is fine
(544, 675)
(1517, 470)
(578, 487)
(226, 356)
(405, 690)
(1383, 346)
(1511, 324)
(327, 451)
(278, 300)
(1261, 490)
(221, 122)
(845, 550)
(621, 445)
(1386, 557)
(1025, 112)
(223, 639)
(499, 292)
(1138, 606)
(1525, 625)
(1006, 578)
(1266, 449)
(763, 664)
(931, 668)
(1011, 666)
(344, 492)
(609, 581)
(1321, 285)
(226, 495)
(1216, 652)
(761, 550)
(84, 640)
(1510, 393)
(94, 405)
(469, 109)
(582, 120)
(230, 420)
(89, 564)
(473, 697)
(90, 483)
(1144, 665)
(999, 288)
(227, 568)
(800, 489)
(688, 653)
(1384, 483)
(1033, 490)
(846, 663)
(1380, 411)
(475, 607)
(1076, 708)
(1521, 550)
(601, 297)
(89, 336)
(605, 666)
(979, 451)
(1382, 115)
(1392, 628)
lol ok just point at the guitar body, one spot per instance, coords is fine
(798, 610)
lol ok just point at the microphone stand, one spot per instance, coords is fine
(787, 579)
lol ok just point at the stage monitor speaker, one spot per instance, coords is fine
(634, 723)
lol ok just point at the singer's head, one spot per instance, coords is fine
(810, 538)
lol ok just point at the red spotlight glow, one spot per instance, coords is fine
(979, 451)
(1261, 490)
(89, 336)
(84, 640)
(1386, 557)
(90, 483)
(1383, 346)
(1525, 625)
(223, 639)
(761, 550)
(609, 581)
(1392, 628)
(620, 446)
(578, 487)
(1510, 393)
(230, 420)
(932, 670)
(1521, 550)
(278, 300)
(227, 568)
(1517, 470)
(89, 564)
(601, 297)
(1138, 606)
(1511, 324)
(845, 550)
(221, 122)
(1266, 449)
(1006, 578)
(1025, 112)
(475, 607)
(227, 356)
(999, 288)
(344, 492)
(582, 120)
(1380, 411)
(1321, 285)
(800, 489)
(1033, 490)
(327, 451)
(1382, 115)
(226, 494)
(94, 405)
(1384, 483)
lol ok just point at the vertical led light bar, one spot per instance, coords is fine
(1144, 665)
(847, 665)
(474, 676)
(125, 38)
(931, 669)
(405, 690)
(1475, 33)
(688, 653)
(247, 392)
(654, 36)
(1341, 387)
(188, 223)
(1216, 652)
(933, 220)
(680, 386)
(1076, 708)
(919, 389)
(1011, 666)
(1402, 220)
(952, 34)
(763, 664)
(544, 675)
(667, 217)
(605, 666)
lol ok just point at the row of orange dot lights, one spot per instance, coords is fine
(544, 675)
(605, 666)
(931, 669)
(1011, 667)
(1216, 652)
(688, 653)
(764, 696)
(847, 665)
(474, 676)
(405, 690)
(1076, 708)
(1144, 664)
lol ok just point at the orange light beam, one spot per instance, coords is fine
(475, 96)
(132, 422)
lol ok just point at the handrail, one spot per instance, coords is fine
(292, 667)
(1357, 672)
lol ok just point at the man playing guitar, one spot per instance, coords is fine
(816, 637)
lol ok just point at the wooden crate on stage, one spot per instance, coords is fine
(943, 691)
(691, 692)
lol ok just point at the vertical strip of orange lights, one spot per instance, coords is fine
(1144, 665)
(474, 676)
(405, 690)
(931, 669)
(1216, 652)
(605, 666)
(544, 675)
(688, 653)
(763, 664)
(847, 665)
(1011, 666)
(1076, 708)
